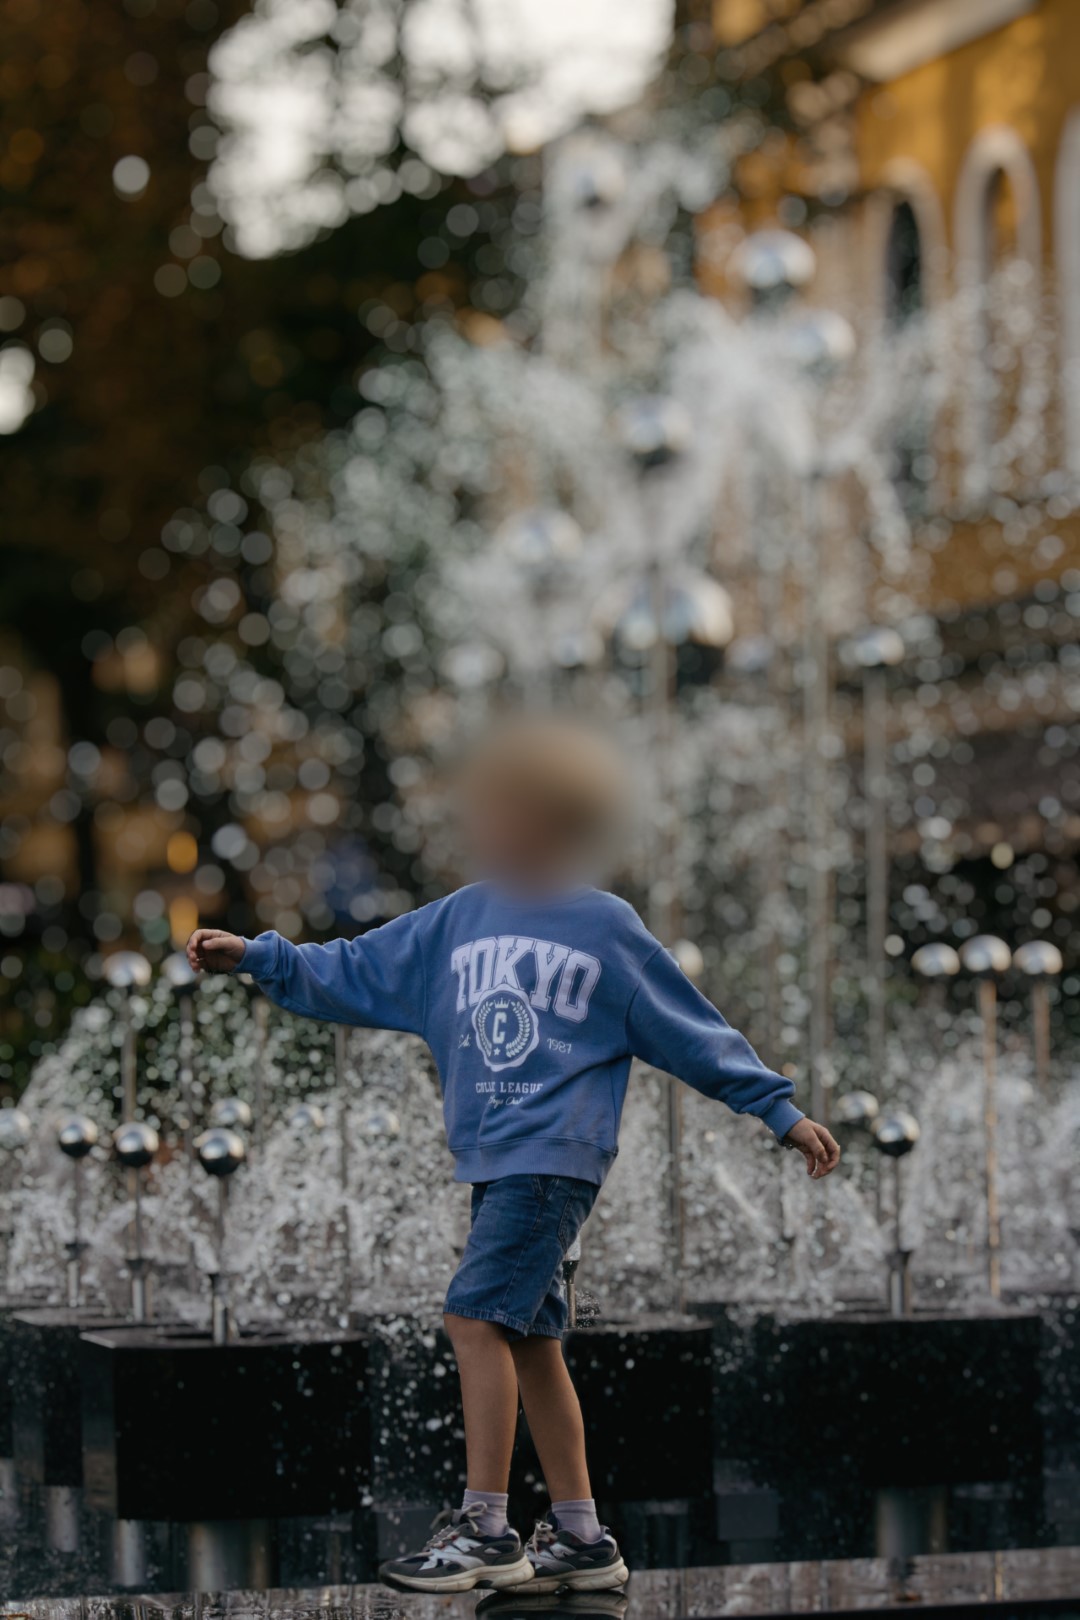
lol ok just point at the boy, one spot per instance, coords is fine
(534, 992)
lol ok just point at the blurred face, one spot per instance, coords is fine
(538, 802)
(515, 839)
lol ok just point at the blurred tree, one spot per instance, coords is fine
(163, 362)
(166, 363)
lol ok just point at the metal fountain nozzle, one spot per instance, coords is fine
(77, 1137)
(307, 1116)
(15, 1129)
(127, 970)
(382, 1125)
(130, 971)
(233, 1113)
(985, 955)
(896, 1134)
(772, 262)
(220, 1151)
(1039, 959)
(878, 646)
(691, 609)
(936, 961)
(858, 1111)
(819, 340)
(135, 1144)
(653, 430)
(540, 538)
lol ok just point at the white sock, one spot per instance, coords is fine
(491, 1521)
(579, 1518)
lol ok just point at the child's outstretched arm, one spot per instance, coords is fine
(376, 980)
(671, 1025)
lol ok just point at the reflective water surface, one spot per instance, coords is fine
(1022, 1577)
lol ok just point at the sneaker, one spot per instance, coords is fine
(565, 1605)
(457, 1556)
(559, 1558)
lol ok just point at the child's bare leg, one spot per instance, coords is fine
(489, 1398)
(554, 1416)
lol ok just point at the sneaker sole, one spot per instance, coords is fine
(497, 1575)
(582, 1580)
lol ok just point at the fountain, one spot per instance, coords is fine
(895, 1135)
(1041, 961)
(594, 582)
(221, 1153)
(136, 1145)
(76, 1140)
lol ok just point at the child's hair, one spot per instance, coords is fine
(562, 769)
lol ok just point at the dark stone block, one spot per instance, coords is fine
(176, 1427)
(646, 1394)
(1061, 1505)
(1061, 1380)
(45, 1394)
(8, 1310)
(747, 1513)
(886, 1401)
(417, 1428)
(400, 1529)
(652, 1535)
(998, 1513)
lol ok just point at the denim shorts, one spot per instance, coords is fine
(511, 1271)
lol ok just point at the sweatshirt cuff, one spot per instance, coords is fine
(780, 1116)
(259, 958)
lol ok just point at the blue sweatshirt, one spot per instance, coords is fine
(533, 1011)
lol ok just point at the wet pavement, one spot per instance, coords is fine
(1017, 1582)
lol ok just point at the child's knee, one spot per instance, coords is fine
(469, 1333)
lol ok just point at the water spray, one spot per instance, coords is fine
(135, 1146)
(895, 1136)
(183, 980)
(221, 1152)
(15, 1132)
(76, 1139)
(876, 650)
(130, 971)
(381, 1127)
(232, 1113)
(987, 957)
(1040, 961)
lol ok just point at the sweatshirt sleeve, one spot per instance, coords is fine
(376, 980)
(671, 1025)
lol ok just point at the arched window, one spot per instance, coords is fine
(912, 465)
(1001, 240)
(905, 266)
(904, 290)
(1001, 347)
(998, 254)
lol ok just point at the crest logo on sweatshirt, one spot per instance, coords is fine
(507, 1029)
(508, 980)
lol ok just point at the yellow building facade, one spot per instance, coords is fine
(964, 117)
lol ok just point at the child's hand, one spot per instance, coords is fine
(211, 950)
(817, 1147)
